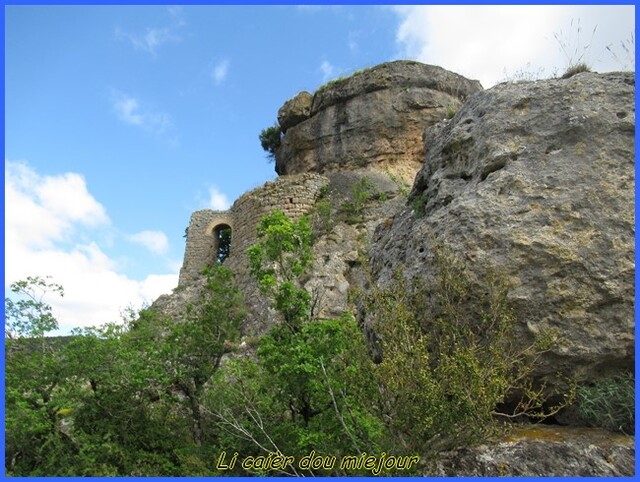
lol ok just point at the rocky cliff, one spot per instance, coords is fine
(373, 118)
(535, 181)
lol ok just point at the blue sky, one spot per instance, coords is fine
(122, 120)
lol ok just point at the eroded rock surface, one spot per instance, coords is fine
(535, 181)
(373, 118)
(295, 110)
(546, 451)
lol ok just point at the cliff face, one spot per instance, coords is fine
(535, 181)
(532, 180)
(373, 119)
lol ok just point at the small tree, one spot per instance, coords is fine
(305, 390)
(270, 138)
(195, 346)
(282, 254)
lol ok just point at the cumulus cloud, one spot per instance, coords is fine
(128, 110)
(328, 70)
(219, 72)
(155, 241)
(47, 222)
(490, 43)
(217, 200)
(46, 209)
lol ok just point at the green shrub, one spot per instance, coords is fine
(320, 215)
(321, 218)
(610, 403)
(362, 192)
(270, 139)
(418, 207)
(305, 389)
(451, 110)
(403, 187)
(443, 373)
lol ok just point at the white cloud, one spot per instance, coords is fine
(154, 37)
(489, 43)
(46, 220)
(150, 40)
(217, 200)
(45, 209)
(220, 71)
(128, 110)
(327, 70)
(155, 241)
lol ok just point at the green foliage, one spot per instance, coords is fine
(270, 139)
(451, 110)
(224, 244)
(610, 403)
(305, 389)
(120, 399)
(281, 255)
(28, 315)
(322, 217)
(444, 372)
(403, 187)
(33, 373)
(343, 78)
(304, 392)
(418, 206)
(362, 192)
(321, 214)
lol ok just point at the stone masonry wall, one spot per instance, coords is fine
(293, 195)
(201, 243)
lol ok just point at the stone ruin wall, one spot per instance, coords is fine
(201, 246)
(293, 195)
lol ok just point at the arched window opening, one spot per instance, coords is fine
(222, 236)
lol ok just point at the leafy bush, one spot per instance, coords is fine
(443, 373)
(321, 216)
(610, 403)
(304, 391)
(270, 139)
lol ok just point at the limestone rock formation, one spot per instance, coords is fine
(373, 118)
(295, 110)
(546, 451)
(535, 181)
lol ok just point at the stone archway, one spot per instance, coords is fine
(221, 241)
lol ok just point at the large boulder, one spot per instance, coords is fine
(535, 181)
(373, 118)
(295, 110)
